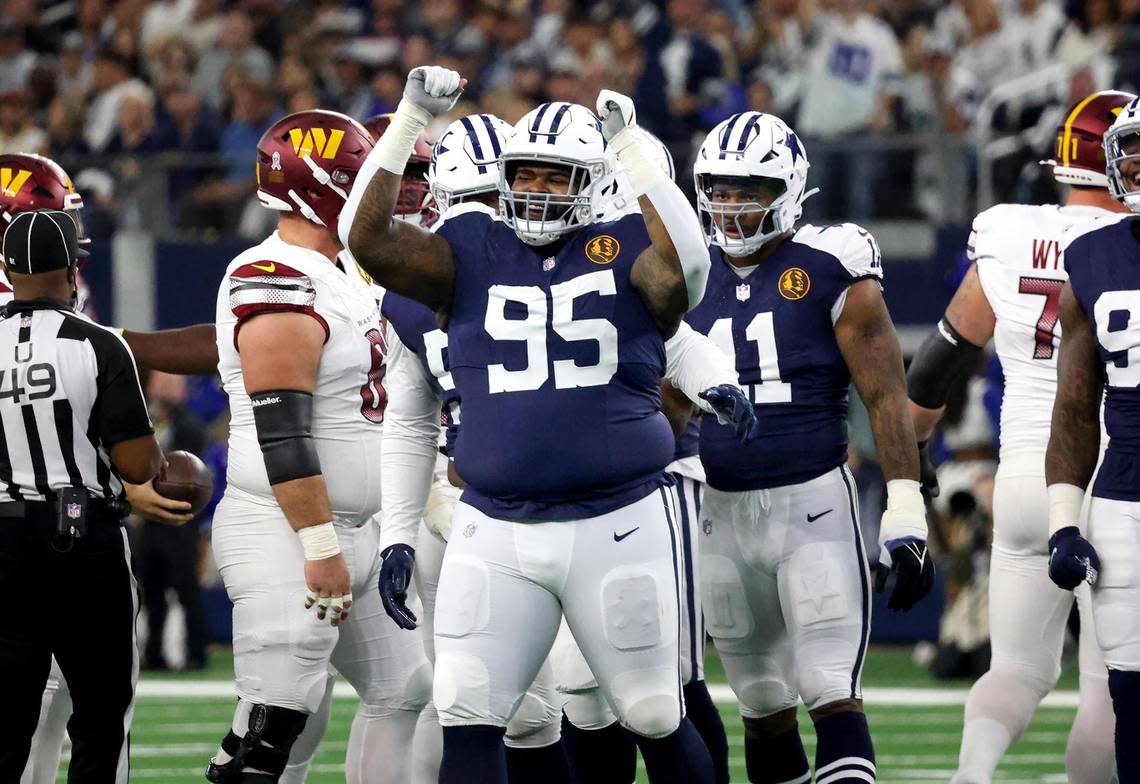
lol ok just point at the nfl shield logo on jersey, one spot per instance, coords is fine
(548, 264)
(74, 511)
(743, 292)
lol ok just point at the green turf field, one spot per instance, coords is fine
(916, 737)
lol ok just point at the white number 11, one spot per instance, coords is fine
(761, 331)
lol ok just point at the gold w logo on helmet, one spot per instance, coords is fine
(12, 180)
(313, 140)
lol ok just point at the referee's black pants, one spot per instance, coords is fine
(81, 607)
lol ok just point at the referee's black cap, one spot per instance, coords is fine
(41, 241)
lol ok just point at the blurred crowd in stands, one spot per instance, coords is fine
(104, 85)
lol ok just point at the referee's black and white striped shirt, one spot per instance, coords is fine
(69, 390)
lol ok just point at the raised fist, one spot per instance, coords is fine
(433, 88)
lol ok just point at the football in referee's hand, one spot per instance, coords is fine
(185, 478)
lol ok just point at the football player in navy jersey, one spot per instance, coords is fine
(784, 574)
(556, 344)
(1100, 358)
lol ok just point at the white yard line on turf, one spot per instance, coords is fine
(720, 692)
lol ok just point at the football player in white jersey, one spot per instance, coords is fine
(1011, 293)
(301, 353)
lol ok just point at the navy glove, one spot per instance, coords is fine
(732, 408)
(912, 567)
(395, 574)
(927, 473)
(1072, 560)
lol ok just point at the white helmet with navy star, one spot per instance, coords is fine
(558, 134)
(465, 160)
(1122, 155)
(758, 147)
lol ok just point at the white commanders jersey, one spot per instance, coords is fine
(1018, 250)
(349, 400)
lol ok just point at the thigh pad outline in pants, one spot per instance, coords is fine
(824, 589)
(621, 604)
(495, 623)
(1114, 530)
(742, 608)
(281, 650)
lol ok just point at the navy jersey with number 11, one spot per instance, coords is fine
(559, 364)
(778, 321)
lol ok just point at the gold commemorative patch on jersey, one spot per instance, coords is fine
(603, 249)
(794, 284)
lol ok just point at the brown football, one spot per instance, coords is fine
(185, 478)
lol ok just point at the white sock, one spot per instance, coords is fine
(1090, 757)
(378, 745)
(47, 743)
(998, 709)
(427, 749)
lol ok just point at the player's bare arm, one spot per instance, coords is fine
(671, 274)
(1074, 438)
(280, 357)
(867, 338)
(950, 351)
(1074, 446)
(401, 257)
(185, 351)
(676, 407)
(870, 347)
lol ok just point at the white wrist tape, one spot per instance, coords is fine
(391, 153)
(906, 513)
(319, 541)
(686, 234)
(630, 146)
(1065, 503)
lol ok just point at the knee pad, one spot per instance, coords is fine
(653, 716)
(265, 746)
(760, 696)
(632, 613)
(536, 723)
(462, 691)
(588, 710)
(728, 616)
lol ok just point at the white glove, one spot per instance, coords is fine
(616, 112)
(433, 89)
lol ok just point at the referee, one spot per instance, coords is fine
(73, 420)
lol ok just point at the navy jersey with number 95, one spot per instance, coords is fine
(778, 322)
(558, 363)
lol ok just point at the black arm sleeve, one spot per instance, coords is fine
(944, 357)
(120, 413)
(284, 422)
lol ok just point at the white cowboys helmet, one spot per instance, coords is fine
(554, 134)
(1122, 154)
(617, 198)
(760, 152)
(465, 160)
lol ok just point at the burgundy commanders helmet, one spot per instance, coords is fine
(1080, 139)
(415, 202)
(307, 162)
(33, 182)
